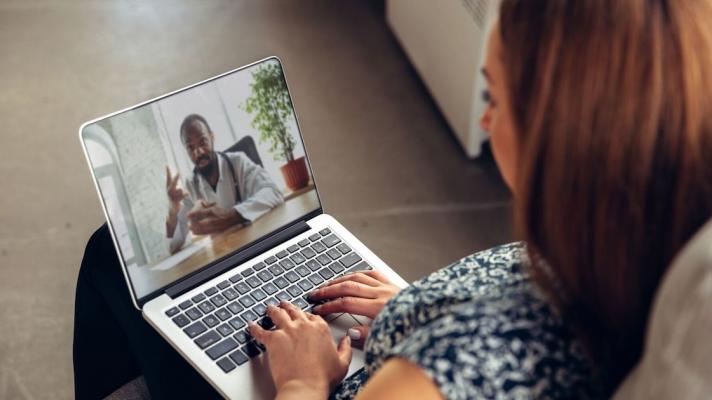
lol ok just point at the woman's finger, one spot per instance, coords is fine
(379, 276)
(343, 289)
(344, 351)
(259, 333)
(294, 312)
(354, 305)
(278, 316)
(356, 277)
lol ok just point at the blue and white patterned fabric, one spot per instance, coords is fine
(480, 328)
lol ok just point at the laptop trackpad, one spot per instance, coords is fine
(339, 329)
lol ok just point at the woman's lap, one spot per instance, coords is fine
(112, 341)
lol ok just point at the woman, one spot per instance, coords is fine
(600, 114)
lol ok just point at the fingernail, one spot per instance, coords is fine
(311, 293)
(354, 334)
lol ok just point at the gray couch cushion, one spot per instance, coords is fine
(677, 360)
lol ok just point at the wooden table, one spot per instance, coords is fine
(148, 278)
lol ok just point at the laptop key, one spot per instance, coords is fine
(185, 304)
(265, 275)
(259, 266)
(225, 330)
(249, 315)
(331, 241)
(270, 288)
(362, 266)
(230, 294)
(271, 301)
(238, 357)
(315, 237)
(287, 264)
(254, 281)
(297, 259)
(336, 267)
(251, 349)
(235, 307)
(305, 284)
(291, 276)
(194, 313)
(226, 365)
(236, 278)
(181, 320)
(271, 260)
(207, 339)
(195, 329)
(172, 311)
(221, 348)
(242, 337)
(211, 291)
(224, 284)
(313, 265)
(344, 248)
(299, 302)
(259, 294)
(316, 279)
(276, 269)
(210, 321)
(304, 242)
(282, 254)
(247, 272)
(260, 309)
(350, 259)
(219, 300)
(242, 287)
(293, 248)
(302, 270)
(324, 231)
(318, 247)
(308, 253)
(326, 273)
(334, 254)
(198, 298)
(294, 290)
(284, 296)
(281, 282)
(206, 307)
(237, 323)
(247, 301)
(323, 259)
(223, 314)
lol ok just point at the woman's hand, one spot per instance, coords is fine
(303, 359)
(362, 293)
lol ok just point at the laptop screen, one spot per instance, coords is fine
(198, 174)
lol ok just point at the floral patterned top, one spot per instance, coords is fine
(480, 329)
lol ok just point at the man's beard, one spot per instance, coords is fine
(208, 169)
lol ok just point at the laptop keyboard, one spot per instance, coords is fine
(217, 319)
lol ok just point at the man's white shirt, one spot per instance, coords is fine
(258, 192)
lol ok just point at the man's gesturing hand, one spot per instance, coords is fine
(362, 293)
(303, 358)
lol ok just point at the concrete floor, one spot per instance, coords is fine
(385, 161)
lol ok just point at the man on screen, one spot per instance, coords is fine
(225, 189)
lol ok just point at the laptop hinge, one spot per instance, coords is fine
(253, 251)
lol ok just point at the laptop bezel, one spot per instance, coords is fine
(139, 302)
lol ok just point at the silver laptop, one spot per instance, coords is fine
(214, 213)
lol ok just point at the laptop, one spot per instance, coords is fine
(215, 214)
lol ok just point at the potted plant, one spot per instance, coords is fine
(271, 108)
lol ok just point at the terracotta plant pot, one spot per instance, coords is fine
(295, 173)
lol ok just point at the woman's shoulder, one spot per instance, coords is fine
(481, 328)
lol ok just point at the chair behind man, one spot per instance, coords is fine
(247, 146)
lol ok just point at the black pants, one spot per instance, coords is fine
(114, 344)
